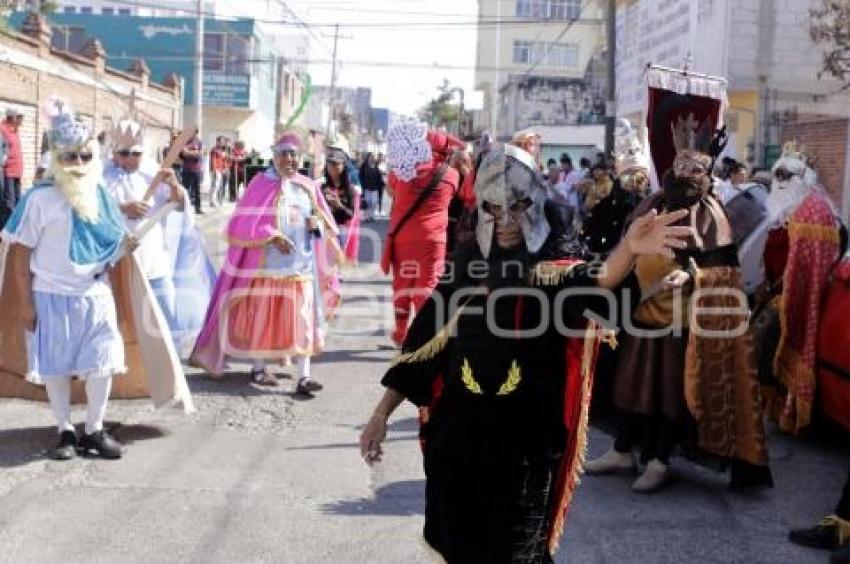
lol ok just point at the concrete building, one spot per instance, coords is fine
(248, 92)
(532, 63)
(33, 70)
(764, 50)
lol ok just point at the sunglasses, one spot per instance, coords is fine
(290, 152)
(783, 174)
(127, 153)
(72, 156)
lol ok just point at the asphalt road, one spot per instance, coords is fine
(258, 476)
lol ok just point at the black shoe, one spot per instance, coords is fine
(67, 447)
(308, 387)
(101, 443)
(841, 555)
(823, 536)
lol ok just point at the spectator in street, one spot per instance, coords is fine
(832, 533)
(238, 157)
(192, 157)
(734, 183)
(382, 166)
(218, 171)
(584, 167)
(12, 160)
(372, 183)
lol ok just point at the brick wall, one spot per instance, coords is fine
(31, 72)
(825, 138)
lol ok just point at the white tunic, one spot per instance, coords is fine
(46, 229)
(131, 187)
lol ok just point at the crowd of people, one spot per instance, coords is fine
(496, 261)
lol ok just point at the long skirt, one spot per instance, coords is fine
(488, 502)
(74, 336)
(275, 317)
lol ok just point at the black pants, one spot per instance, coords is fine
(654, 435)
(843, 509)
(381, 199)
(192, 183)
(11, 196)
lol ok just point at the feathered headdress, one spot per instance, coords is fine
(127, 134)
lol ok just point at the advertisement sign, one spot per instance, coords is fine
(227, 90)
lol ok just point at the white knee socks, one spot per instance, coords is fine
(97, 394)
(303, 367)
(59, 395)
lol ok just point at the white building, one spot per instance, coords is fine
(533, 61)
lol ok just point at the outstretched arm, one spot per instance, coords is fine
(650, 234)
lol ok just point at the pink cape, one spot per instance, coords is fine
(253, 225)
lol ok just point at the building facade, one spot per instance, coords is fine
(248, 92)
(764, 50)
(534, 62)
(32, 70)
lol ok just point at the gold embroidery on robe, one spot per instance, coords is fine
(508, 386)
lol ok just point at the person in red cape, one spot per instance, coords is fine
(506, 392)
(802, 246)
(423, 185)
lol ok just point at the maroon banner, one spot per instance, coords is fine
(676, 122)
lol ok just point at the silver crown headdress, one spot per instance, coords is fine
(67, 131)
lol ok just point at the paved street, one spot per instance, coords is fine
(258, 476)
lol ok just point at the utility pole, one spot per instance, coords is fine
(199, 68)
(332, 93)
(611, 103)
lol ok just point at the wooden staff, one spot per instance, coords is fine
(173, 154)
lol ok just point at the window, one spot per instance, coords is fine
(522, 52)
(86, 10)
(70, 9)
(238, 54)
(108, 11)
(227, 53)
(565, 9)
(548, 9)
(214, 52)
(123, 11)
(548, 54)
(68, 38)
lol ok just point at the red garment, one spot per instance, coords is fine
(813, 252)
(14, 167)
(776, 255)
(443, 145)
(431, 219)
(417, 268)
(219, 159)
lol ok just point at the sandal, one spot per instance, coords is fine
(264, 377)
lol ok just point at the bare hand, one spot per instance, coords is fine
(283, 244)
(168, 176)
(135, 210)
(178, 195)
(652, 234)
(371, 438)
(131, 243)
(675, 280)
(27, 315)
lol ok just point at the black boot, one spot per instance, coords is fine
(67, 447)
(841, 555)
(823, 535)
(103, 444)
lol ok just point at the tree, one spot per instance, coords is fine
(441, 112)
(830, 28)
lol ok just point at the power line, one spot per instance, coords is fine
(311, 26)
(558, 38)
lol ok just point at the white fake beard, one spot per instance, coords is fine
(785, 197)
(79, 186)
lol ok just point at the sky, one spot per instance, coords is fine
(402, 41)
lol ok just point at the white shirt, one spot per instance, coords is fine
(294, 207)
(128, 187)
(729, 191)
(46, 228)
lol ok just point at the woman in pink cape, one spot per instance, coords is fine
(279, 282)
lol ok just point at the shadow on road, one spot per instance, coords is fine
(395, 499)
